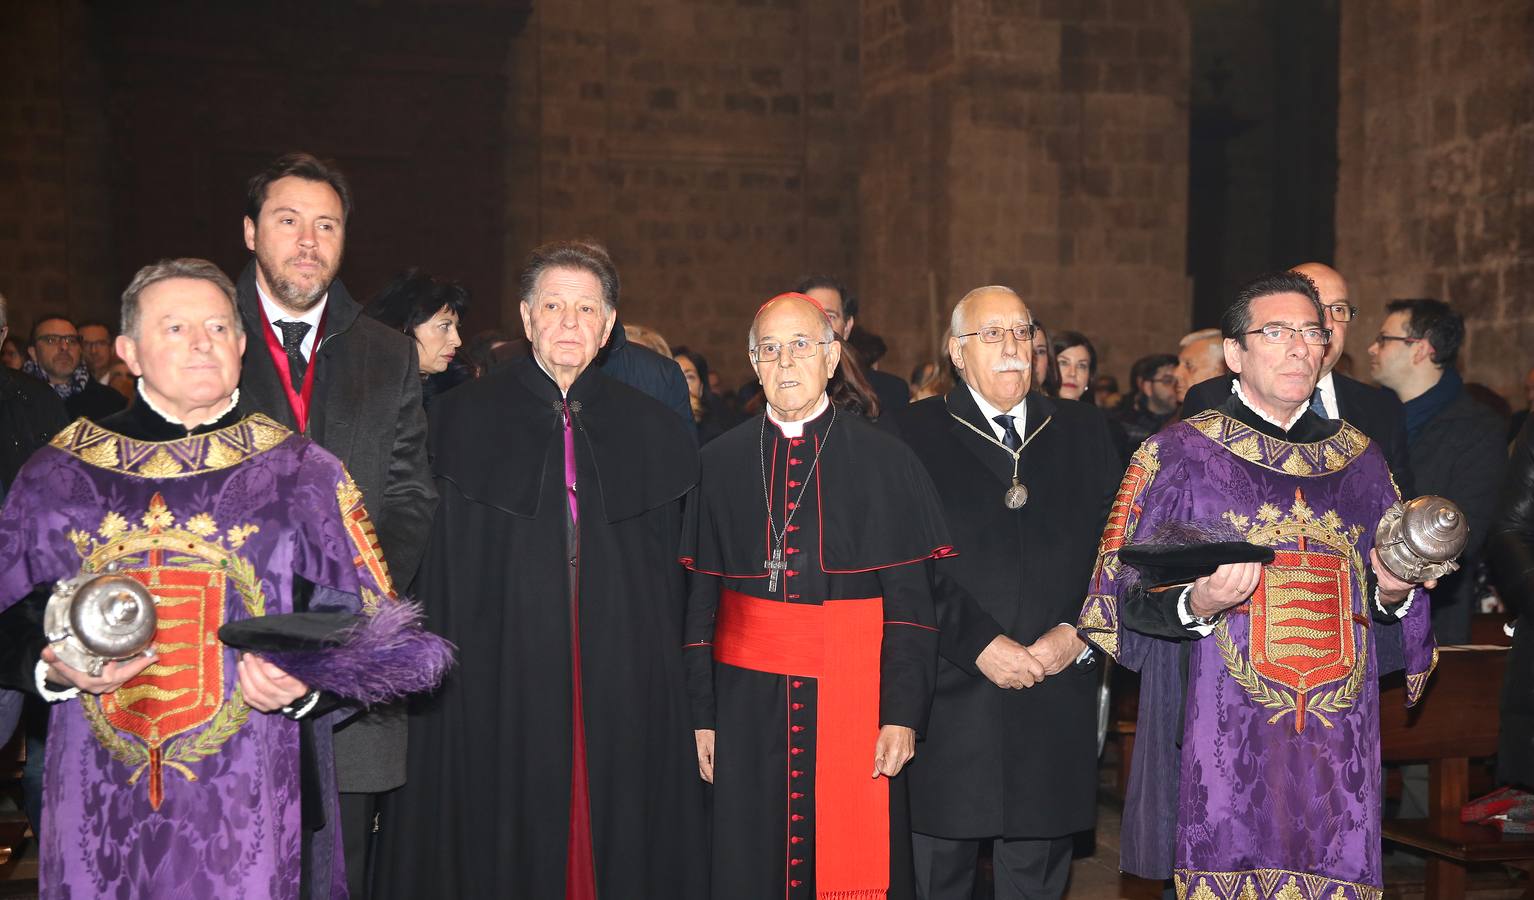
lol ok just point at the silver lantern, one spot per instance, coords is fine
(1420, 540)
(93, 619)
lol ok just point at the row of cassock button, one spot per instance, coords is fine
(795, 796)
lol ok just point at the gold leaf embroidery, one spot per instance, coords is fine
(1294, 464)
(239, 533)
(202, 525)
(159, 516)
(102, 455)
(220, 455)
(161, 465)
(112, 524)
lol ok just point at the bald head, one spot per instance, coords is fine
(1333, 289)
(796, 305)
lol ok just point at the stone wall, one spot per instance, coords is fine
(1042, 145)
(710, 146)
(1436, 181)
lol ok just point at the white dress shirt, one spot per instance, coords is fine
(1020, 412)
(275, 313)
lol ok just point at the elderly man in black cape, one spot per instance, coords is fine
(1026, 483)
(558, 760)
(812, 642)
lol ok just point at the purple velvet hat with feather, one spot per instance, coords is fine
(367, 658)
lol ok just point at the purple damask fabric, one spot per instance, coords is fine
(1258, 773)
(172, 786)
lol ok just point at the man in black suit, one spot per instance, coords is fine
(1375, 412)
(841, 306)
(1458, 446)
(1010, 751)
(353, 385)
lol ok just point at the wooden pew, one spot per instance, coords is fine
(1456, 722)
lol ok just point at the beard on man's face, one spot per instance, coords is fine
(289, 292)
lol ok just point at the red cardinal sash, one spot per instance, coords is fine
(838, 644)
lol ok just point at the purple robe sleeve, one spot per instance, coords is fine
(35, 546)
(1148, 495)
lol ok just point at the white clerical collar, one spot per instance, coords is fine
(1235, 388)
(796, 428)
(234, 400)
(311, 317)
(1019, 412)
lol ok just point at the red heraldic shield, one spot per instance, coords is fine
(1302, 622)
(185, 688)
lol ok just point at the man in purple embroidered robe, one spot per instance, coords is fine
(1257, 763)
(171, 775)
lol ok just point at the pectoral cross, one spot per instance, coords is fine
(774, 566)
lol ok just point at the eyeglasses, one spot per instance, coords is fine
(1283, 334)
(1383, 338)
(53, 340)
(993, 334)
(798, 349)
(1342, 312)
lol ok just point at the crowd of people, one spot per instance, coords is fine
(552, 612)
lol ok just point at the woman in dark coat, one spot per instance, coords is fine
(430, 310)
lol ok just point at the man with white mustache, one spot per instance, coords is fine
(352, 385)
(1025, 483)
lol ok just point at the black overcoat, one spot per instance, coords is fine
(1013, 763)
(485, 811)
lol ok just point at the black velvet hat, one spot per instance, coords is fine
(290, 632)
(1183, 552)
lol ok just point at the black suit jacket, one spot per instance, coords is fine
(367, 411)
(1374, 411)
(983, 769)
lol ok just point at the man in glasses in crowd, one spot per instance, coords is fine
(1259, 679)
(57, 357)
(811, 639)
(1457, 444)
(1375, 412)
(1153, 397)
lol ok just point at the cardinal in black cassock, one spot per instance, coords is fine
(811, 634)
(558, 760)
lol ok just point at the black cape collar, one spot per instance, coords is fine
(877, 505)
(495, 437)
(1307, 430)
(141, 423)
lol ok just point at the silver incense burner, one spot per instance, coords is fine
(1420, 540)
(93, 619)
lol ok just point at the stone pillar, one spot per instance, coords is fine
(1436, 179)
(1040, 144)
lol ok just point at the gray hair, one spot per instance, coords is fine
(956, 321)
(827, 334)
(166, 269)
(1203, 334)
(584, 256)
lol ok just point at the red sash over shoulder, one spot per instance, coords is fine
(838, 644)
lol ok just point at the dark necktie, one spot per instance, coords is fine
(293, 344)
(1009, 436)
(1316, 406)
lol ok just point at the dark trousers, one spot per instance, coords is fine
(361, 822)
(1025, 869)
